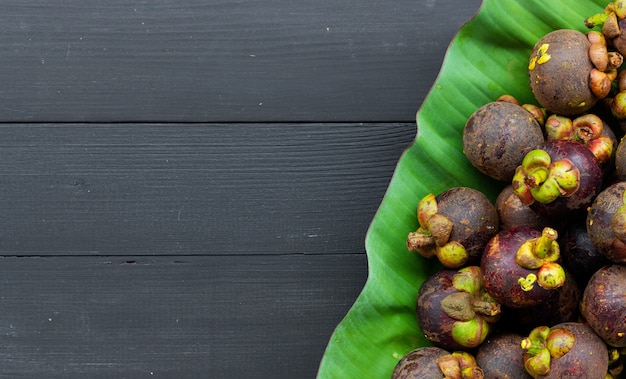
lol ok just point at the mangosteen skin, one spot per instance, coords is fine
(561, 307)
(604, 304)
(591, 178)
(578, 252)
(587, 359)
(599, 218)
(512, 212)
(501, 273)
(502, 356)
(620, 160)
(497, 136)
(420, 363)
(559, 72)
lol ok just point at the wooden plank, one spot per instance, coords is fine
(199, 61)
(193, 188)
(169, 317)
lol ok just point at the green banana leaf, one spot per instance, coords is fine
(487, 58)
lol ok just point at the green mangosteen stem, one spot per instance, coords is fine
(596, 20)
(546, 245)
(533, 253)
(541, 253)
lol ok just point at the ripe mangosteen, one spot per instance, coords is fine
(420, 363)
(566, 350)
(454, 226)
(560, 179)
(502, 356)
(498, 135)
(453, 309)
(512, 213)
(520, 267)
(604, 304)
(560, 73)
(580, 256)
(606, 222)
(435, 363)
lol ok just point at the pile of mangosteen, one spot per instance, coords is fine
(533, 285)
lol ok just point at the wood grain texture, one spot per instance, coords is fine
(216, 60)
(193, 188)
(186, 185)
(172, 317)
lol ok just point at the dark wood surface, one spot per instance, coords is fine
(186, 185)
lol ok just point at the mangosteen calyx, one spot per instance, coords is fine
(472, 307)
(459, 364)
(544, 344)
(586, 130)
(432, 238)
(541, 254)
(540, 179)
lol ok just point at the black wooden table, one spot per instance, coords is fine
(186, 185)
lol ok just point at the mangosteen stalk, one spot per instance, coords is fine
(541, 253)
(540, 179)
(544, 344)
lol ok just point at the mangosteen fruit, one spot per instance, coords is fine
(502, 356)
(606, 222)
(498, 135)
(521, 267)
(604, 304)
(420, 363)
(560, 73)
(559, 179)
(566, 350)
(454, 226)
(431, 362)
(512, 213)
(580, 256)
(453, 309)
